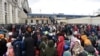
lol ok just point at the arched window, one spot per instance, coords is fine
(26, 21)
(31, 21)
(37, 21)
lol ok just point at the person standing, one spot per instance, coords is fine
(3, 43)
(29, 43)
(60, 46)
(50, 50)
(43, 45)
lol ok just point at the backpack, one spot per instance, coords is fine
(67, 45)
(19, 47)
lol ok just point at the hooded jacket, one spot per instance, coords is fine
(50, 50)
(73, 40)
(60, 46)
(85, 40)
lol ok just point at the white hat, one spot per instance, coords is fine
(75, 33)
(10, 33)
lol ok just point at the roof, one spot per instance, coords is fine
(60, 15)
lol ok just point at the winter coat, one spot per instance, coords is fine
(73, 40)
(87, 42)
(77, 48)
(93, 39)
(60, 46)
(29, 46)
(83, 37)
(43, 46)
(3, 47)
(50, 50)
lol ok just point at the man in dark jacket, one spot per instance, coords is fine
(29, 46)
(29, 43)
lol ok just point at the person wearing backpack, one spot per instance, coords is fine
(43, 45)
(67, 51)
(50, 50)
(18, 46)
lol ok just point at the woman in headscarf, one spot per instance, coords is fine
(77, 48)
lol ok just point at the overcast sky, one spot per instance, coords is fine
(79, 7)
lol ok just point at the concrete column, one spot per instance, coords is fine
(16, 15)
(2, 12)
(13, 14)
(9, 14)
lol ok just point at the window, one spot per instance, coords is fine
(37, 21)
(5, 18)
(5, 7)
(47, 21)
(42, 21)
(31, 21)
(35, 16)
(26, 21)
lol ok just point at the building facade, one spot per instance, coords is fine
(50, 18)
(40, 19)
(13, 11)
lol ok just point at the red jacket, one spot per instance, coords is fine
(60, 46)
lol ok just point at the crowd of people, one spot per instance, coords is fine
(50, 40)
